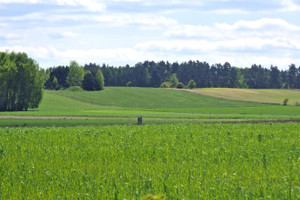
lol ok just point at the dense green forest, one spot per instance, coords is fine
(192, 74)
(21, 82)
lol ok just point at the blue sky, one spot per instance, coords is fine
(119, 32)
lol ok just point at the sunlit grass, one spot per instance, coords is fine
(211, 161)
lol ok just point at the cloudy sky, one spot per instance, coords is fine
(119, 32)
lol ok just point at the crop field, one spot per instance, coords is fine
(275, 96)
(85, 145)
(122, 105)
(207, 161)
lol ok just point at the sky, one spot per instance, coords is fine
(120, 32)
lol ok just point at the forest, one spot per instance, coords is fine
(202, 74)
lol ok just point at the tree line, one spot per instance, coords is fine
(74, 75)
(187, 74)
(22, 81)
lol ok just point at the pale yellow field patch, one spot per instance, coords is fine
(274, 96)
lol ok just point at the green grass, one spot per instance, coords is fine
(74, 88)
(148, 98)
(64, 122)
(208, 161)
(275, 96)
(154, 104)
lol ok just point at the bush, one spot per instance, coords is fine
(180, 85)
(297, 103)
(191, 84)
(129, 84)
(165, 84)
(285, 101)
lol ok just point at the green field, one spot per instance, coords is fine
(208, 161)
(85, 145)
(122, 105)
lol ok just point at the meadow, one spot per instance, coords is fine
(206, 161)
(122, 105)
(85, 145)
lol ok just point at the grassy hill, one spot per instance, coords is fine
(148, 98)
(275, 96)
(120, 105)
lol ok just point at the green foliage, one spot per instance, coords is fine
(92, 82)
(55, 83)
(21, 82)
(275, 79)
(60, 73)
(206, 161)
(151, 74)
(88, 81)
(180, 85)
(173, 80)
(99, 80)
(76, 74)
(191, 84)
(166, 84)
(285, 101)
(129, 84)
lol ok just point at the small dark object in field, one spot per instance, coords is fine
(140, 120)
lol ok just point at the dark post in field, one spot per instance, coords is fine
(140, 120)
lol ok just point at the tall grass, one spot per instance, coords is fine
(241, 161)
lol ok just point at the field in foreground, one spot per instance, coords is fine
(208, 161)
(117, 105)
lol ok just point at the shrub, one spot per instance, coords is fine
(297, 103)
(285, 101)
(173, 80)
(191, 84)
(165, 84)
(180, 85)
(129, 84)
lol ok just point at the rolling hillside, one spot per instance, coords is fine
(148, 98)
(275, 96)
(122, 105)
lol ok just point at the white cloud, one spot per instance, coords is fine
(228, 11)
(20, 1)
(290, 5)
(180, 30)
(261, 41)
(145, 20)
(92, 5)
(270, 23)
(36, 52)
(265, 26)
(259, 33)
